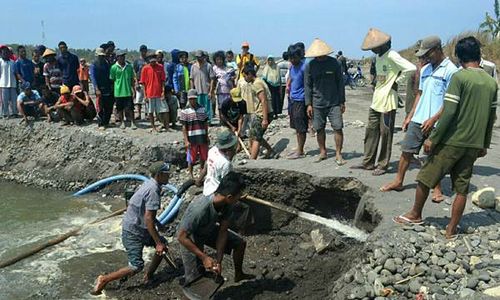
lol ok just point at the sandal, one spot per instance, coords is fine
(402, 220)
(321, 158)
(438, 199)
(362, 167)
(340, 162)
(378, 172)
(295, 155)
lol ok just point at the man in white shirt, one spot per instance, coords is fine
(8, 83)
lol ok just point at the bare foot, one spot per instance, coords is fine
(243, 276)
(99, 285)
(393, 186)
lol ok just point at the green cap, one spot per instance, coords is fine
(159, 167)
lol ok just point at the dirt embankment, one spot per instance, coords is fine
(52, 156)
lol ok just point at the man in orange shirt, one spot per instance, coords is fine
(83, 75)
(153, 78)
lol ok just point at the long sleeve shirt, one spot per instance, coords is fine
(323, 83)
(391, 68)
(469, 110)
(99, 75)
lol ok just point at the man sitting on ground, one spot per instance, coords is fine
(201, 225)
(65, 105)
(29, 102)
(138, 228)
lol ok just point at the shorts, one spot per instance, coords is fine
(194, 150)
(256, 132)
(298, 116)
(134, 245)
(414, 139)
(157, 105)
(32, 111)
(139, 95)
(193, 266)
(457, 161)
(124, 103)
(334, 115)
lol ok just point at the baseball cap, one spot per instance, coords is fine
(121, 52)
(427, 44)
(245, 44)
(236, 94)
(25, 85)
(143, 48)
(198, 53)
(99, 52)
(64, 89)
(192, 93)
(159, 167)
(77, 89)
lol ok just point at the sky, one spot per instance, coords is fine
(268, 25)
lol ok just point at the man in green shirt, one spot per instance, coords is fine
(123, 76)
(462, 135)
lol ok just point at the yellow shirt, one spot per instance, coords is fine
(241, 60)
(391, 68)
(259, 86)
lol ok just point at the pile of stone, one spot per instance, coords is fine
(486, 198)
(419, 261)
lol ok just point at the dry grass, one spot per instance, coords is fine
(490, 49)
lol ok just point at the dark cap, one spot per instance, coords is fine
(226, 139)
(199, 53)
(427, 44)
(192, 93)
(121, 52)
(159, 167)
(143, 48)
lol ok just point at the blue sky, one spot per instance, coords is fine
(269, 25)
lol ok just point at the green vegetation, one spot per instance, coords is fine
(491, 25)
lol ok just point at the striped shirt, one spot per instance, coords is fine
(195, 120)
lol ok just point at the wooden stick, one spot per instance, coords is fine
(55, 240)
(409, 278)
(244, 147)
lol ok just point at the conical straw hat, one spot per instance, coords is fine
(48, 52)
(375, 38)
(318, 48)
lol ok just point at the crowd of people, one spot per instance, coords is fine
(451, 116)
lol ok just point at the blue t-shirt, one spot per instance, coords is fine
(147, 197)
(433, 84)
(69, 65)
(35, 97)
(297, 82)
(25, 68)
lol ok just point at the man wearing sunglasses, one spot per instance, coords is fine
(435, 77)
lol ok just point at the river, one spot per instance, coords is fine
(29, 216)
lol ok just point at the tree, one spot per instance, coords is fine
(491, 24)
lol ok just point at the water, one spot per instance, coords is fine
(31, 216)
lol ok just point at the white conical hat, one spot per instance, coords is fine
(374, 38)
(318, 48)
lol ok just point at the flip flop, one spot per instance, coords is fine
(402, 220)
(378, 172)
(436, 200)
(362, 167)
(340, 162)
(388, 189)
(321, 158)
(294, 155)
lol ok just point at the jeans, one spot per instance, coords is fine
(9, 98)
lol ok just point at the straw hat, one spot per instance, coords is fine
(374, 38)
(48, 52)
(318, 48)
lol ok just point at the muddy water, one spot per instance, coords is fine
(30, 216)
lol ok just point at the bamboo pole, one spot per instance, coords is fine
(55, 241)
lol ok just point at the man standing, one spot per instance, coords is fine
(153, 79)
(202, 80)
(259, 110)
(298, 115)
(38, 79)
(69, 64)
(246, 58)
(391, 69)
(139, 230)
(83, 75)
(434, 80)
(181, 78)
(462, 135)
(343, 65)
(122, 75)
(7, 83)
(99, 74)
(139, 88)
(206, 222)
(325, 96)
(24, 67)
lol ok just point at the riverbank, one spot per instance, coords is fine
(68, 158)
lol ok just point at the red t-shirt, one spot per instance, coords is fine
(153, 78)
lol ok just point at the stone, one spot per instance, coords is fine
(484, 198)
(348, 277)
(472, 283)
(466, 293)
(474, 260)
(414, 285)
(402, 288)
(450, 256)
(475, 243)
(442, 262)
(497, 204)
(371, 276)
(484, 276)
(418, 228)
(494, 291)
(451, 266)
(358, 278)
(428, 238)
(390, 265)
(358, 292)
